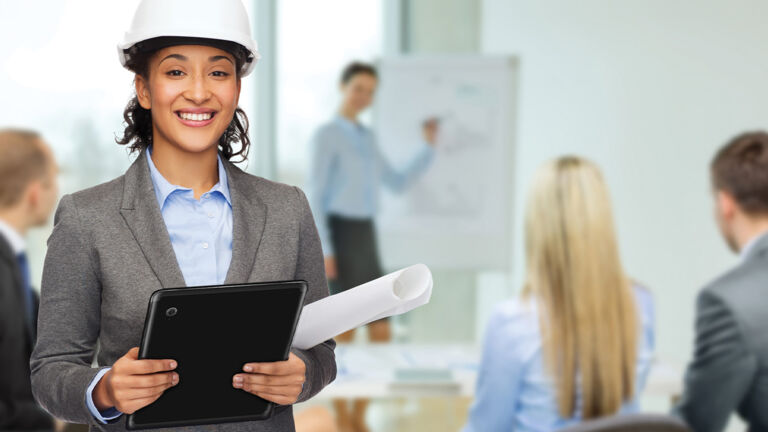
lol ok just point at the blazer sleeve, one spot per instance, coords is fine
(319, 360)
(722, 368)
(69, 319)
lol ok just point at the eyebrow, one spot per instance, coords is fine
(176, 56)
(210, 59)
(219, 57)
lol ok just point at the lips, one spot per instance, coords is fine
(196, 117)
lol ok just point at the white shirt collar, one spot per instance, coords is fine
(18, 245)
(750, 244)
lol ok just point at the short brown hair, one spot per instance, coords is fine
(357, 68)
(740, 168)
(22, 161)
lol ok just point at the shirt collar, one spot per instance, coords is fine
(349, 125)
(750, 245)
(18, 245)
(163, 188)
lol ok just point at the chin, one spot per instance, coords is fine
(196, 142)
(190, 146)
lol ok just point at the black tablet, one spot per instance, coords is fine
(211, 332)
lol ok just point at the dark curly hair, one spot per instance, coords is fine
(137, 134)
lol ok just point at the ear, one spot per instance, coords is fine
(32, 194)
(142, 92)
(726, 204)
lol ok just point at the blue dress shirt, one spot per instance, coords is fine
(514, 389)
(201, 235)
(347, 168)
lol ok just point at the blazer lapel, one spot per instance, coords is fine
(249, 214)
(142, 215)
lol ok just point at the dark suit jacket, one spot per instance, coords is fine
(18, 409)
(110, 249)
(729, 371)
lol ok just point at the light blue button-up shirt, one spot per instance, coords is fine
(201, 235)
(347, 168)
(514, 390)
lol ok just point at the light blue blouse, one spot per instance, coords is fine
(514, 391)
(347, 168)
(201, 235)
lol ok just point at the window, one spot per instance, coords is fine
(315, 40)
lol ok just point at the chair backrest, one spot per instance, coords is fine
(631, 423)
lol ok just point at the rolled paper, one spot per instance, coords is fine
(392, 294)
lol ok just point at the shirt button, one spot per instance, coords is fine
(211, 215)
(205, 245)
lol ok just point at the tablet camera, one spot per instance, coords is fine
(171, 311)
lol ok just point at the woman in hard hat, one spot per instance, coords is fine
(347, 168)
(182, 214)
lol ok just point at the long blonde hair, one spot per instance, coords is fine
(587, 314)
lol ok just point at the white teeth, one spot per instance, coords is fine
(195, 117)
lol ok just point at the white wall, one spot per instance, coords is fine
(649, 90)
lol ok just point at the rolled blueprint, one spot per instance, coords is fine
(389, 295)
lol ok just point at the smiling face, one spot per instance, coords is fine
(192, 91)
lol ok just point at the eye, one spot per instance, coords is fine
(220, 74)
(174, 73)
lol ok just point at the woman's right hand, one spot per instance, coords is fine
(132, 384)
(330, 267)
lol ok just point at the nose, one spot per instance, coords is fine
(197, 91)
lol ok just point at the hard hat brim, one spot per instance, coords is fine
(188, 38)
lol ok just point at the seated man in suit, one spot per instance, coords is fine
(729, 371)
(28, 193)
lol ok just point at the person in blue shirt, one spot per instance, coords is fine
(346, 173)
(578, 344)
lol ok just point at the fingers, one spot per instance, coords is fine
(131, 365)
(292, 391)
(147, 366)
(132, 354)
(278, 399)
(271, 368)
(131, 406)
(147, 392)
(126, 395)
(269, 380)
(294, 365)
(145, 381)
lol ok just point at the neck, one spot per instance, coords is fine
(15, 218)
(749, 230)
(348, 113)
(197, 171)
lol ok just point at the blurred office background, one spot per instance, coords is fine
(647, 89)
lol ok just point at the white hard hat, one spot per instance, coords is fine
(220, 20)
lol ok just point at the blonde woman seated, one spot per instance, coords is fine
(578, 343)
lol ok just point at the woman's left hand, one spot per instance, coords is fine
(280, 382)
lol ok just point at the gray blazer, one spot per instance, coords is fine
(729, 371)
(110, 250)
